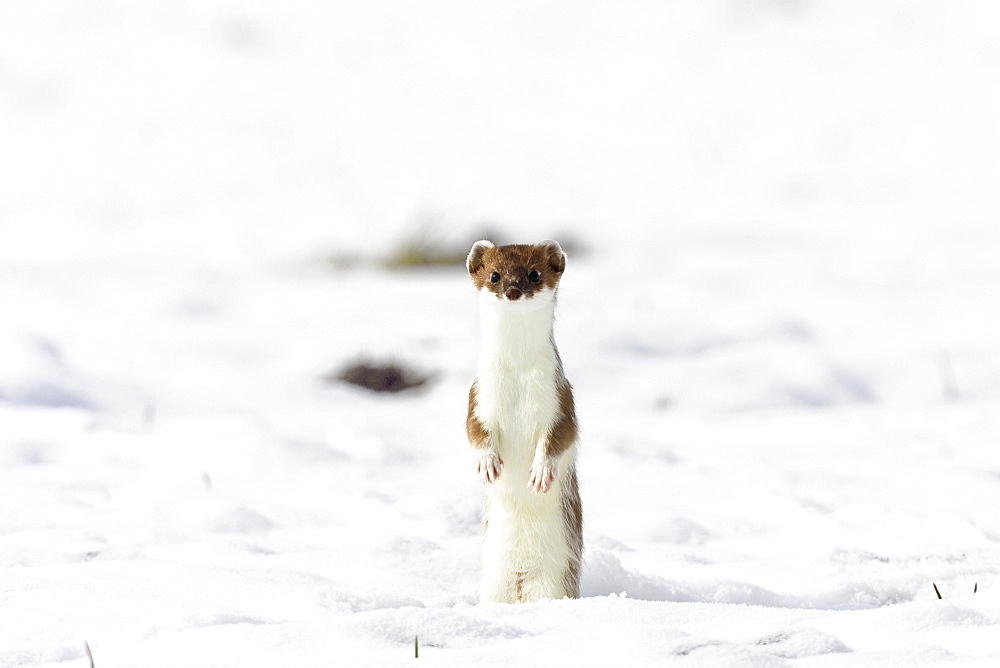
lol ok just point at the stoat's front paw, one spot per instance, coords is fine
(489, 466)
(543, 473)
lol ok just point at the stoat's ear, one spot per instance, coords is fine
(475, 260)
(554, 254)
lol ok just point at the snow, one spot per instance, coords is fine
(779, 317)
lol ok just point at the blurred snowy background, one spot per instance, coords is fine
(780, 317)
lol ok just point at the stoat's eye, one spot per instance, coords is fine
(534, 276)
(494, 277)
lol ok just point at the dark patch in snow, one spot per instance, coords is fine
(379, 376)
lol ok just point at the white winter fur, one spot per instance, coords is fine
(526, 549)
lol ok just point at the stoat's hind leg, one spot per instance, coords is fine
(498, 583)
(541, 584)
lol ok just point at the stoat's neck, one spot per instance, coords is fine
(517, 333)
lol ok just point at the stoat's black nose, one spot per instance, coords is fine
(514, 294)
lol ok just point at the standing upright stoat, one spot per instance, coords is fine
(522, 425)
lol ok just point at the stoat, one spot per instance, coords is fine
(522, 427)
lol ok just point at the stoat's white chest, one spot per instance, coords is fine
(517, 395)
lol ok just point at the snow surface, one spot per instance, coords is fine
(780, 317)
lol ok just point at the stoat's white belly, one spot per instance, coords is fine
(518, 407)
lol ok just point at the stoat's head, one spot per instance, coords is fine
(517, 273)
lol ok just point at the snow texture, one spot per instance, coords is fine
(779, 316)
